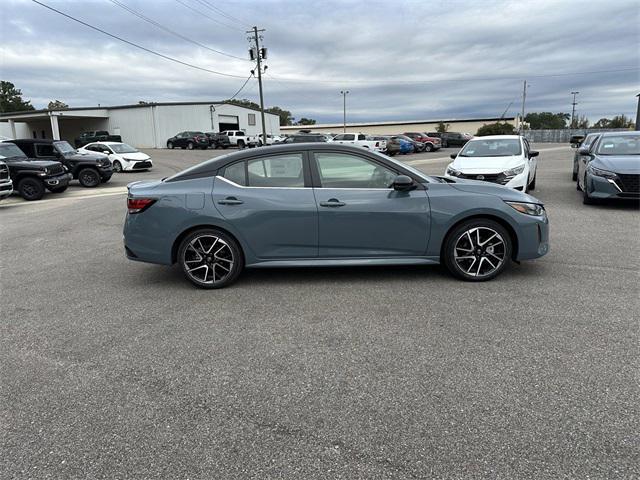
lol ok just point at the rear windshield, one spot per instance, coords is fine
(620, 145)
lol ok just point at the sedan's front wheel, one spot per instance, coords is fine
(477, 250)
(210, 258)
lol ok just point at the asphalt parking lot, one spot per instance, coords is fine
(117, 369)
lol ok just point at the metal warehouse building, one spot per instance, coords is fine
(458, 125)
(143, 126)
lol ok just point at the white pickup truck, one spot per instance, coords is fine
(361, 140)
(240, 139)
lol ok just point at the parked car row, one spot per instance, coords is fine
(607, 166)
(229, 138)
(30, 167)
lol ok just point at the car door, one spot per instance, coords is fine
(360, 214)
(270, 202)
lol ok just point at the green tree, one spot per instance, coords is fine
(244, 103)
(543, 120)
(285, 115)
(498, 128)
(602, 123)
(621, 121)
(11, 99)
(580, 122)
(57, 105)
(306, 121)
(442, 127)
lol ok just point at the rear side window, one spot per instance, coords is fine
(236, 173)
(44, 150)
(349, 137)
(277, 171)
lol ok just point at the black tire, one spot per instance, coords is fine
(170, 145)
(224, 147)
(58, 189)
(498, 250)
(189, 145)
(117, 166)
(231, 250)
(31, 188)
(89, 177)
(428, 147)
(241, 144)
(532, 186)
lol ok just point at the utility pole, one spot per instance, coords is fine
(344, 110)
(524, 99)
(260, 54)
(573, 109)
(638, 115)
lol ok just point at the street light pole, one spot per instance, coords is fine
(344, 110)
(573, 110)
(638, 115)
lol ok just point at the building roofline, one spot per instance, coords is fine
(117, 107)
(390, 123)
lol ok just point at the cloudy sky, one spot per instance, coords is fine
(400, 60)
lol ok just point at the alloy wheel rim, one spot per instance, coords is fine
(479, 251)
(208, 259)
(117, 167)
(89, 178)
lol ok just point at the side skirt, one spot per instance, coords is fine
(344, 262)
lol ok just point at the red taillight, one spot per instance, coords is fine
(137, 205)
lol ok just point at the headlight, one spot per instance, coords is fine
(601, 173)
(453, 172)
(527, 208)
(514, 171)
(44, 172)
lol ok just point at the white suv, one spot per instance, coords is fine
(503, 159)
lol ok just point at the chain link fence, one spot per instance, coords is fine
(564, 135)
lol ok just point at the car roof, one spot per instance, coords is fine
(497, 137)
(106, 143)
(625, 133)
(214, 164)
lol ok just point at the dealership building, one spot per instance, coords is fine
(143, 126)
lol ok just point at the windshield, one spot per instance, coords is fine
(620, 145)
(64, 147)
(122, 148)
(9, 150)
(496, 147)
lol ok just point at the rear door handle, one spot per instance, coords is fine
(230, 201)
(333, 202)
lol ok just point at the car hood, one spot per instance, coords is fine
(486, 164)
(474, 186)
(26, 162)
(618, 163)
(134, 156)
(86, 156)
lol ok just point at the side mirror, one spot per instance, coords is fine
(106, 151)
(402, 183)
(453, 156)
(533, 153)
(584, 151)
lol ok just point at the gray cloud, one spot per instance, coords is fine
(317, 48)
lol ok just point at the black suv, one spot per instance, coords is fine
(218, 140)
(31, 177)
(189, 140)
(88, 168)
(451, 139)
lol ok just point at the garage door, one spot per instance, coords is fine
(228, 122)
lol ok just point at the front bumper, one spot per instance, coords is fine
(61, 180)
(606, 188)
(105, 172)
(519, 182)
(6, 189)
(533, 237)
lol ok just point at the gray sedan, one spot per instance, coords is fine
(610, 168)
(323, 204)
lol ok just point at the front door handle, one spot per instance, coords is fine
(333, 202)
(230, 201)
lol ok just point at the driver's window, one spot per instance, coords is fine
(338, 170)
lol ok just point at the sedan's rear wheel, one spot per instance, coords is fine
(477, 250)
(210, 258)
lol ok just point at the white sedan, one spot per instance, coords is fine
(503, 159)
(124, 158)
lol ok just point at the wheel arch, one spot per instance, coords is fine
(488, 216)
(193, 228)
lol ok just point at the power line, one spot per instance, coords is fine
(221, 12)
(167, 29)
(209, 17)
(166, 57)
(241, 88)
(418, 82)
